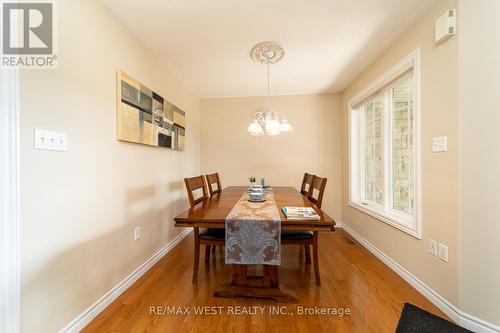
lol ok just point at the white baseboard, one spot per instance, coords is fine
(90, 313)
(463, 319)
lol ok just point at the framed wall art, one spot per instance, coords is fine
(143, 116)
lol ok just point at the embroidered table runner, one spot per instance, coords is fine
(253, 232)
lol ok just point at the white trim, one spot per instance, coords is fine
(461, 318)
(92, 311)
(401, 221)
(9, 201)
(418, 146)
(387, 77)
(384, 216)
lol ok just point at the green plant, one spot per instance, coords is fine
(251, 179)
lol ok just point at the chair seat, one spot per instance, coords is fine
(296, 235)
(214, 234)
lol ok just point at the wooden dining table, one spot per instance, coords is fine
(212, 213)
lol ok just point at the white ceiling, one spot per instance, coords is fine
(206, 43)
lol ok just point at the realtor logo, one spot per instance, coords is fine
(28, 34)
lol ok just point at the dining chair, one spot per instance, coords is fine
(194, 184)
(317, 190)
(206, 237)
(307, 180)
(211, 180)
(306, 238)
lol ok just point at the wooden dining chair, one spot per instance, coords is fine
(307, 238)
(317, 190)
(211, 180)
(306, 183)
(206, 237)
(194, 184)
(316, 197)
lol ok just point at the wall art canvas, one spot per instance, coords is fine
(143, 116)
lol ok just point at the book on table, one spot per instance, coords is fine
(300, 213)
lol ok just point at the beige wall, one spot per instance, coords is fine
(79, 208)
(313, 146)
(479, 70)
(439, 179)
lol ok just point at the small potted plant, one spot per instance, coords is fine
(252, 180)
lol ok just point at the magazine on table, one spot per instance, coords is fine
(300, 213)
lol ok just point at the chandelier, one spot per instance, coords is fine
(267, 121)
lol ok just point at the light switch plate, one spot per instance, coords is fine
(48, 140)
(433, 247)
(137, 233)
(440, 144)
(443, 252)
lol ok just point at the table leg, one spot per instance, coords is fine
(270, 278)
(270, 287)
(196, 253)
(239, 276)
(316, 258)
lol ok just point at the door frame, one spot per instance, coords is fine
(9, 201)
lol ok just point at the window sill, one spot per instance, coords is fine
(397, 222)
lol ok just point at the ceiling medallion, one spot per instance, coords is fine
(267, 53)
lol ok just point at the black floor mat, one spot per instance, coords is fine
(415, 320)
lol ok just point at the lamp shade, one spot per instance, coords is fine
(273, 132)
(285, 126)
(255, 129)
(273, 126)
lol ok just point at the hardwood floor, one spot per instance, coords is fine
(351, 278)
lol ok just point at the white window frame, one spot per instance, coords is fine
(410, 224)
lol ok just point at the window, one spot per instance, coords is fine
(384, 148)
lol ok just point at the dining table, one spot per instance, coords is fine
(212, 213)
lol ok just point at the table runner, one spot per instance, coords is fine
(253, 232)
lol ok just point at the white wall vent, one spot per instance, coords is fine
(446, 26)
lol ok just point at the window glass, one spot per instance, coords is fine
(403, 148)
(372, 150)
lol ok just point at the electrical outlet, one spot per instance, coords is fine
(137, 233)
(433, 247)
(440, 144)
(443, 252)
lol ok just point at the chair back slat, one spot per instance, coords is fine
(211, 180)
(306, 183)
(193, 184)
(318, 184)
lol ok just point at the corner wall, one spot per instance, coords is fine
(80, 207)
(439, 172)
(479, 70)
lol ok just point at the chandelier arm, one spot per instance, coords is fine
(282, 114)
(260, 118)
(257, 115)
